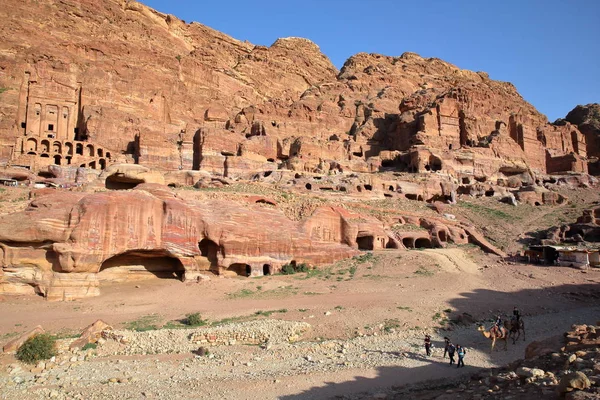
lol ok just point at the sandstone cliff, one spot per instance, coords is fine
(122, 99)
(587, 119)
(149, 88)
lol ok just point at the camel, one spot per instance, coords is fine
(494, 335)
(514, 328)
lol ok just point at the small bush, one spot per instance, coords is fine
(40, 347)
(92, 346)
(144, 323)
(302, 268)
(289, 269)
(194, 319)
(390, 325)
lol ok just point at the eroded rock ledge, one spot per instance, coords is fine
(65, 243)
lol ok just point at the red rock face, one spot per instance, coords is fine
(71, 239)
(89, 86)
(64, 244)
(147, 87)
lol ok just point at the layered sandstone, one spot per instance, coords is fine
(146, 87)
(587, 119)
(65, 243)
(122, 99)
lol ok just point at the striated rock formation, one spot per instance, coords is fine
(127, 83)
(587, 119)
(123, 99)
(65, 243)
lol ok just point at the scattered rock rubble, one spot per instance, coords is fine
(119, 369)
(186, 340)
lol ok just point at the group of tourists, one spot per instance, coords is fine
(450, 350)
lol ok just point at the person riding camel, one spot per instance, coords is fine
(516, 314)
(497, 326)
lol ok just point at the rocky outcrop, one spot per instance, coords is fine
(63, 244)
(80, 92)
(587, 120)
(16, 343)
(585, 229)
(91, 334)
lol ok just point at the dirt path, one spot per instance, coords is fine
(454, 260)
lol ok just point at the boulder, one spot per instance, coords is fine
(525, 372)
(573, 381)
(16, 343)
(90, 334)
(542, 347)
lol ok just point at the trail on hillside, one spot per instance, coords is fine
(453, 260)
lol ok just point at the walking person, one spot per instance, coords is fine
(461, 355)
(451, 351)
(446, 344)
(516, 314)
(428, 345)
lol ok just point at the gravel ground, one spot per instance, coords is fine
(276, 369)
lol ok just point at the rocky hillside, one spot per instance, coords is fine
(162, 92)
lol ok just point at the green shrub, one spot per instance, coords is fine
(194, 319)
(290, 269)
(89, 346)
(302, 268)
(40, 347)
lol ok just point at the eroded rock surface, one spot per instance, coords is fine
(81, 92)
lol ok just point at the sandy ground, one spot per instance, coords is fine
(411, 286)
(410, 291)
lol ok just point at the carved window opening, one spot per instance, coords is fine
(365, 242)
(240, 269)
(422, 243)
(210, 250)
(141, 264)
(442, 236)
(267, 269)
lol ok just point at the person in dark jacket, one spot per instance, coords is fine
(451, 351)
(516, 314)
(428, 345)
(446, 344)
(461, 356)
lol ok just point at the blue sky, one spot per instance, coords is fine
(550, 49)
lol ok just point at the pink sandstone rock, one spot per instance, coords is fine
(16, 343)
